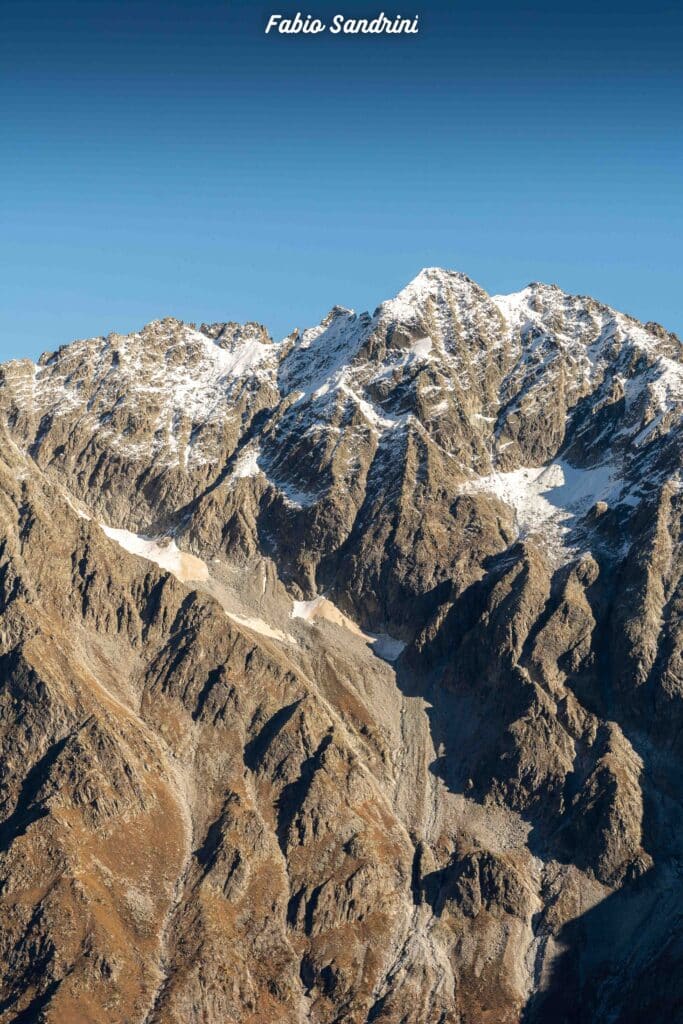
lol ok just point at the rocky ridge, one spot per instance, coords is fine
(342, 675)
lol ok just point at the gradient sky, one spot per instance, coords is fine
(167, 158)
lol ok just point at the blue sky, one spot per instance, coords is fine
(167, 158)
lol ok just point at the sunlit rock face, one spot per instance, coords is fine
(341, 676)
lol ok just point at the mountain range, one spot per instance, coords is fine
(341, 677)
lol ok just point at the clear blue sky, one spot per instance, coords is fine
(166, 158)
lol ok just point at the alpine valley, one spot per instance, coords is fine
(341, 678)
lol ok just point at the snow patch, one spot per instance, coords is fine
(241, 360)
(322, 608)
(381, 421)
(387, 647)
(247, 465)
(186, 568)
(384, 646)
(258, 626)
(552, 495)
(422, 348)
(515, 306)
(162, 551)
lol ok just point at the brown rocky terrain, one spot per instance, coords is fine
(342, 677)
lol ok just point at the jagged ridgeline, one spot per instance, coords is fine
(341, 677)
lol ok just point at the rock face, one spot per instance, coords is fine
(342, 677)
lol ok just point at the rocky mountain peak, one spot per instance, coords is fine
(342, 675)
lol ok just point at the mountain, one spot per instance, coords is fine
(342, 676)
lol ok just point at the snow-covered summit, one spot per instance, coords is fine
(481, 384)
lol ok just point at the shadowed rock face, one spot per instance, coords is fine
(341, 677)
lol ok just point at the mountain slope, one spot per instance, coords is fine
(342, 675)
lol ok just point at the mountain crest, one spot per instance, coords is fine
(342, 675)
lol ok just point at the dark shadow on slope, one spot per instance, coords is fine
(33, 1012)
(256, 748)
(598, 977)
(619, 960)
(28, 809)
(216, 677)
(608, 971)
(293, 795)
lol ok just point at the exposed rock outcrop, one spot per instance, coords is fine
(342, 676)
